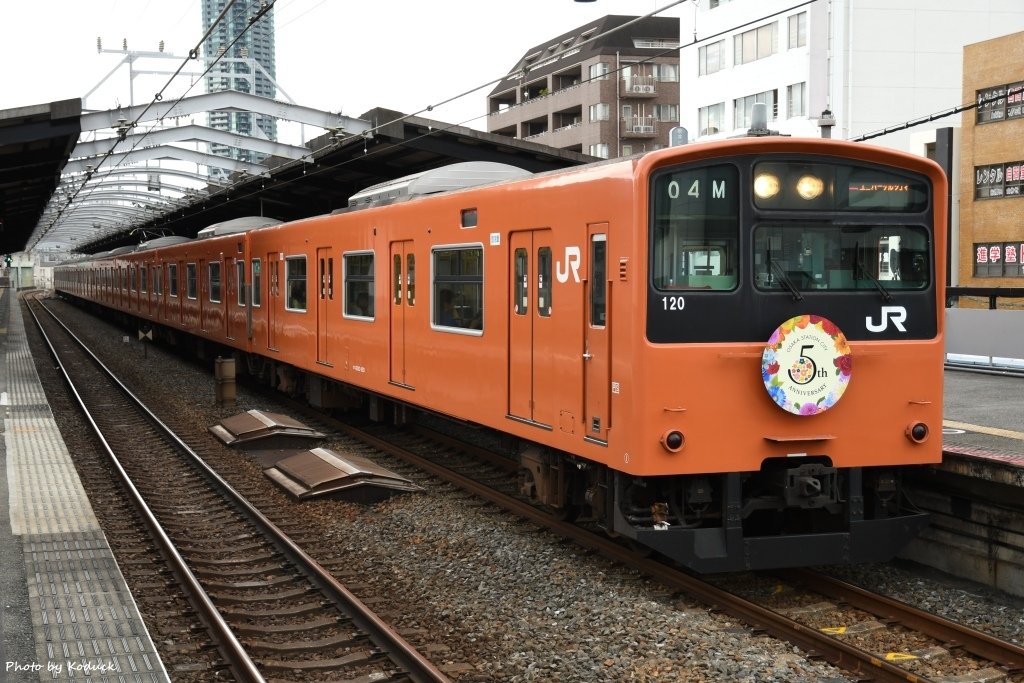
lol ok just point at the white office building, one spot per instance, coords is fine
(873, 63)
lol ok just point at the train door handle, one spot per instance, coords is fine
(587, 356)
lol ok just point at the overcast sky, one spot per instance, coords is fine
(336, 55)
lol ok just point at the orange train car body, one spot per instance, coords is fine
(723, 351)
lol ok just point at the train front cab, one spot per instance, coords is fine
(785, 375)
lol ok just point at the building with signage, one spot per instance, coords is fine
(992, 164)
(594, 90)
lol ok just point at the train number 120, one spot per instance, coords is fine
(673, 303)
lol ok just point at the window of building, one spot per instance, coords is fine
(359, 284)
(711, 58)
(796, 100)
(458, 287)
(744, 106)
(756, 44)
(257, 280)
(999, 180)
(999, 103)
(600, 112)
(295, 279)
(599, 150)
(172, 279)
(627, 150)
(599, 71)
(798, 30)
(667, 73)
(214, 269)
(999, 259)
(191, 283)
(711, 119)
(666, 112)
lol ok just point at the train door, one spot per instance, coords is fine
(596, 339)
(229, 299)
(273, 298)
(532, 339)
(403, 298)
(324, 302)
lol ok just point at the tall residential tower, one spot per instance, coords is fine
(247, 66)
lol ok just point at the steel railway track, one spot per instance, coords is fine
(271, 610)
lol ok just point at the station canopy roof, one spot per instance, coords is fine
(84, 182)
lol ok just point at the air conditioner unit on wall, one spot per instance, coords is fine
(648, 88)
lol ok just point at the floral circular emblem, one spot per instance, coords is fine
(806, 365)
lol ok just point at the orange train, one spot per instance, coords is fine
(723, 351)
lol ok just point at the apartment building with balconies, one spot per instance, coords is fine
(608, 88)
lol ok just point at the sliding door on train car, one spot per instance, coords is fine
(596, 337)
(403, 297)
(233, 305)
(533, 372)
(324, 302)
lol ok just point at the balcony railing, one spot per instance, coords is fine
(640, 86)
(639, 127)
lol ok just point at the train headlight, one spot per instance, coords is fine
(766, 185)
(917, 432)
(810, 187)
(673, 440)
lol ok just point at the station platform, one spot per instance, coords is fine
(983, 426)
(66, 613)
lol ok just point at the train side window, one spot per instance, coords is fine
(521, 299)
(410, 279)
(359, 288)
(214, 271)
(544, 282)
(396, 284)
(172, 279)
(598, 280)
(143, 279)
(257, 282)
(191, 284)
(469, 218)
(240, 279)
(131, 279)
(295, 277)
(158, 283)
(458, 287)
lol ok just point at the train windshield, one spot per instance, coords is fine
(696, 229)
(813, 256)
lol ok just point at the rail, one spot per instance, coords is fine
(415, 666)
(242, 666)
